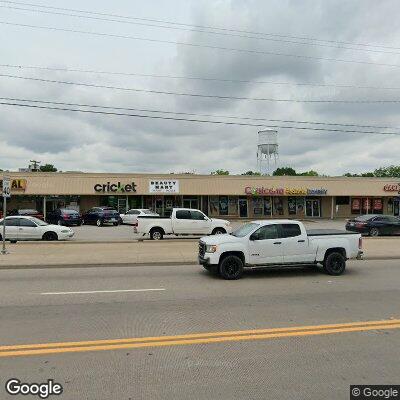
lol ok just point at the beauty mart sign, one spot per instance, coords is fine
(164, 186)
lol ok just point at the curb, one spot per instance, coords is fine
(145, 264)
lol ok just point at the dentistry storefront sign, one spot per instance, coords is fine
(263, 191)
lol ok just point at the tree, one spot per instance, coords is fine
(252, 173)
(48, 168)
(220, 172)
(392, 171)
(309, 173)
(288, 171)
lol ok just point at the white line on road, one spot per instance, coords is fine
(104, 291)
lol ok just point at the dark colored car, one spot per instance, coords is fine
(27, 212)
(63, 216)
(374, 225)
(101, 216)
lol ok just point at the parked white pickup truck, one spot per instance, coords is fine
(278, 243)
(183, 221)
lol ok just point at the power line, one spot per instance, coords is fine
(225, 34)
(12, 103)
(196, 114)
(237, 81)
(200, 26)
(199, 95)
(248, 51)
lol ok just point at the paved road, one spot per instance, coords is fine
(125, 232)
(48, 306)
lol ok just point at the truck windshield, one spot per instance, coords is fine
(245, 229)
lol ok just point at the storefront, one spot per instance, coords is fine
(222, 196)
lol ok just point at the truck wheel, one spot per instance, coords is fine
(99, 222)
(231, 267)
(334, 264)
(218, 231)
(156, 234)
(374, 232)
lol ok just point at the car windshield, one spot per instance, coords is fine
(245, 229)
(38, 221)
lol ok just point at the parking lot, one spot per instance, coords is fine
(92, 233)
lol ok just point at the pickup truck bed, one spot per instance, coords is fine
(326, 232)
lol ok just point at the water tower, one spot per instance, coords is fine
(267, 150)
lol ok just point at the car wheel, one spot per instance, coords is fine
(334, 264)
(218, 231)
(115, 223)
(231, 267)
(13, 241)
(99, 222)
(374, 232)
(82, 222)
(50, 236)
(156, 234)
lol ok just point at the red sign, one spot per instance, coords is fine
(355, 204)
(378, 204)
(366, 204)
(392, 187)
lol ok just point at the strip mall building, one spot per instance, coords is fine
(217, 195)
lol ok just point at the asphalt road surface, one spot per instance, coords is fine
(80, 327)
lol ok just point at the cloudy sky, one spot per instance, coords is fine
(103, 143)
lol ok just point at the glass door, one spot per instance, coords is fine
(242, 204)
(396, 208)
(122, 205)
(313, 208)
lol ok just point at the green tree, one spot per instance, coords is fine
(309, 173)
(288, 171)
(48, 168)
(392, 171)
(252, 173)
(220, 172)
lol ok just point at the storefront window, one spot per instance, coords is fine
(257, 206)
(233, 205)
(355, 206)
(267, 206)
(278, 206)
(214, 205)
(378, 206)
(223, 205)
(292, 205)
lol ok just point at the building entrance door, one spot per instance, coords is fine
(242, 204)
(191, 202)
(313, 208)
(396, 208)
(122, 205)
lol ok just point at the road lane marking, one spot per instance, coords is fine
(102, 291)
(197, 338)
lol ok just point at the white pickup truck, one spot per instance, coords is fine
(278, 243)
(183, 221)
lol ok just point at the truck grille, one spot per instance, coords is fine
(202, 248)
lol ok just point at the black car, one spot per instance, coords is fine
(63, 216)
(374, 225)
(101, 216)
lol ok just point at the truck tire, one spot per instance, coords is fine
(99, 222)
(334, 264)
(156, 234)
(218, 231)
(231, 267)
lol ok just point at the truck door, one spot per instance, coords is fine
(200, 224)
(181, 222)
(265, 247)
(295, 244)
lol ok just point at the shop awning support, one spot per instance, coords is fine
(332, 206)
(44, 208)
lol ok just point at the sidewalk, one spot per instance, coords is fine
(176, 251)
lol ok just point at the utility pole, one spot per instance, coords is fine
(34, 167)
(6, 190)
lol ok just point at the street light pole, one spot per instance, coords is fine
(6, 190)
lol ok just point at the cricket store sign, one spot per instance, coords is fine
(117, 187)
(16, 184)
(164, 186)
(262, 191)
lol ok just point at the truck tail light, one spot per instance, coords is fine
(360, 243)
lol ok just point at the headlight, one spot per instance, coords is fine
(211, 248)
(66, 231)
